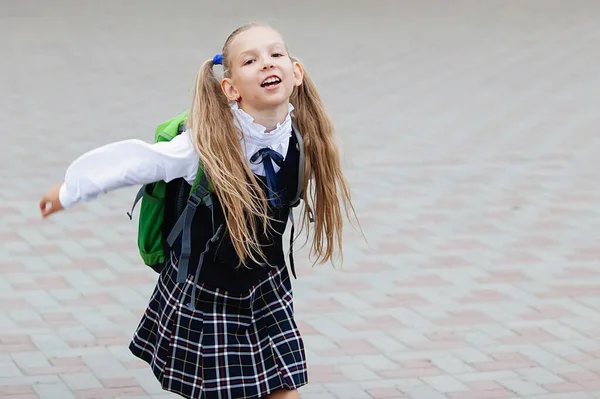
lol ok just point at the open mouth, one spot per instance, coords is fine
(271, 81)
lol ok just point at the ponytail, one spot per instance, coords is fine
(244, 204)
(322, 169)
(217, 142)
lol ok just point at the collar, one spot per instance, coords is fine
(255, 134)
(254, 137)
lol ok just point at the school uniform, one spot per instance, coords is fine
(229, 330)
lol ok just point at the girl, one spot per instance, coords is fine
(239, 340)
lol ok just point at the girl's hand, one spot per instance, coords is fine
(50, 202)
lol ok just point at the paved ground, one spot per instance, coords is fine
(471, 134)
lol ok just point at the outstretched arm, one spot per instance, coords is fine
(121, 164)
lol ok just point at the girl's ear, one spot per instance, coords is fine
(298, 73)
(229, 90)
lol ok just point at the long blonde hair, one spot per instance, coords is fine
(217, 141)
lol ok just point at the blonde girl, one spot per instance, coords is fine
(239, 339)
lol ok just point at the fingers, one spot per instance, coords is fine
(48, 207)
(50, 202)
(45, 206)
(43, 203)
(49, 210)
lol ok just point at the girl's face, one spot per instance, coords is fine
(261, 74)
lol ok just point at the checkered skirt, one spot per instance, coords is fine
(229, 346)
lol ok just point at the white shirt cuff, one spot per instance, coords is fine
(63, 197)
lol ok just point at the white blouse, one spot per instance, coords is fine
(135, 162)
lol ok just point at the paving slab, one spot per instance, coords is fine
(471, 143)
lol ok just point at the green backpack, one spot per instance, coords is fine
(167, 209)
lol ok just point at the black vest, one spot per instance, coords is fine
(221, 267)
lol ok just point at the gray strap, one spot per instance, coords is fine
(215, 237)
(183, 226)
(186, 238)
(177, 227)
(137, 199)
(300, 187)
(291, 253)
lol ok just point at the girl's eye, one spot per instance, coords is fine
(248, 62)
(277, 55)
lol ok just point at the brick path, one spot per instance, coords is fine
(471, 134)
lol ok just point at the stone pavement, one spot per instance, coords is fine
(471, 133)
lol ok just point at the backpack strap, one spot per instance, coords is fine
(199, 195)
(137, 199)
(299, 193)
(192, 304)
(291, 253)
(300, 187)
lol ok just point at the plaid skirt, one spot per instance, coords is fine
(229, 346)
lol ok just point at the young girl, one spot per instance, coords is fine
(240, 339)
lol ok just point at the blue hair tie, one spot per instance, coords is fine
(218, 59)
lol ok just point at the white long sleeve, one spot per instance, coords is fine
(127, 163)
(133, 162)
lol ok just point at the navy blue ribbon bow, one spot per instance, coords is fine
(267, 157)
